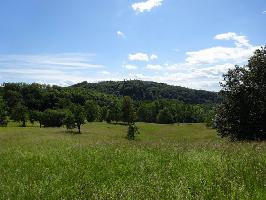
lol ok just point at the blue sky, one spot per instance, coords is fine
(180, 42)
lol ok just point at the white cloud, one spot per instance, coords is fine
(120, 34)
(153, 57)
(139, 57)
(131, 67)
(154, 67)
(238, 54)
(240, 40)
(146, 5)
(219, 54)
(264, 12)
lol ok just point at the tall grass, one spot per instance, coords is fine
(165, 162)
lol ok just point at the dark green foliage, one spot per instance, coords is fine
(92, 111)
(242, 114)
(144, 90)
(128, 112)
(3, 115)
(108, 117)
(53, 118)
(79, 116)
(132, 131)
(20, 113)
(39, 98)
(209, 118)
(74, 117)
(165, 117)
(36, 116)
(69, 120)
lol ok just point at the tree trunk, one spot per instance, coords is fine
(23, 123)
(79, 128)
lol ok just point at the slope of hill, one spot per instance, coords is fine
(146, 90)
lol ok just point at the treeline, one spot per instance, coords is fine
(54, 106)
(145, 90)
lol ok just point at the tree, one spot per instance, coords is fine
(128, 113)
(69, 120)
(91, 110)
(53, 118)
(79, 116)
(132, 131)
(165, 117)
(242, 113)
(114, 111)
(74, 117)
(36, 116)
(3, 116)
(20, 113)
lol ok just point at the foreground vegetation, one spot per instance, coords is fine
(176, 161)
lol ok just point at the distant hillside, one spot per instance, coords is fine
(146, 90)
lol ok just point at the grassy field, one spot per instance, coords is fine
(165, 162)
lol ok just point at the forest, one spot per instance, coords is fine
(35, 102)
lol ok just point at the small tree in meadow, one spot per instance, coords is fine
(75, 117)
(132, 131)
(79, 116)
(20, 113)
(36, 116)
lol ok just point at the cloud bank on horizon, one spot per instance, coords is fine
(161, 57)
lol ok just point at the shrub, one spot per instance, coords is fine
(132, 131)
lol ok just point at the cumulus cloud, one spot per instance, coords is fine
(240, 40)
(153, 57)
(120, 34)
(146, 6)
(131, 67)
(240, 53)
(138, 57)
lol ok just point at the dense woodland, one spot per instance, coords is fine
(145, 90)
(52, 105)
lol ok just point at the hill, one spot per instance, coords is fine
(146, 90)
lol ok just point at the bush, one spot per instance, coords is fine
(132, 131)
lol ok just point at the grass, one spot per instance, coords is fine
(165, 162)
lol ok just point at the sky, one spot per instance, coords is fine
(189, 43)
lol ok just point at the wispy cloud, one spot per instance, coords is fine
(264, 12)
(146, 6)
(59, 69)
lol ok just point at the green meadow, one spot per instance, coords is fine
(180, 161)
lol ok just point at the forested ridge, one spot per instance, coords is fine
(147, 90)
(53, 106)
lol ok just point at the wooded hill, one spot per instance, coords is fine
(146, 90)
